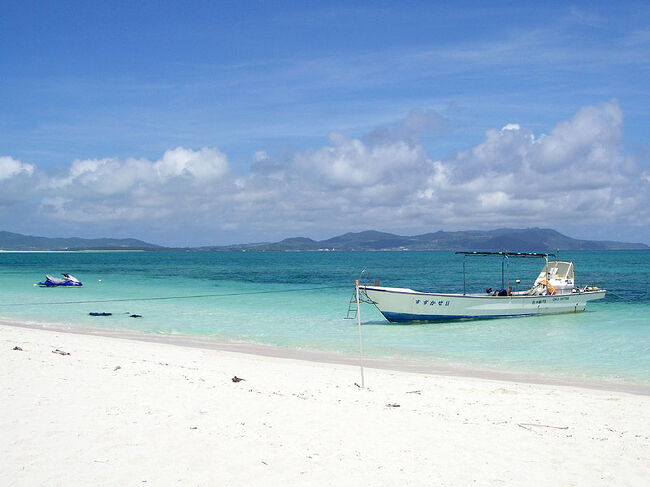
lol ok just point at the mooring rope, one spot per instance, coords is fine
(624, 298)
(160, 298)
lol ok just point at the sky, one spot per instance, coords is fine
(206, 122)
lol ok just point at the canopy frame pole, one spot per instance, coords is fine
(464, 275)
(363, 381)
(546, 275)
(503, 264)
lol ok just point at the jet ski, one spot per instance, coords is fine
(66, 280)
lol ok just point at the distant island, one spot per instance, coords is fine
(16, 242)
(506, 239)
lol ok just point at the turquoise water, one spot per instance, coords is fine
(299, 300)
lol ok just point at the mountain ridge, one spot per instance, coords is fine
(502, 239)
(506, 239)
(18, 242)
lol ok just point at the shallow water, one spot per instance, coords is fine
(299, 300)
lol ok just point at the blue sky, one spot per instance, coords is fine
(192, 123)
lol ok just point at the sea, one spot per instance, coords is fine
(299, 301)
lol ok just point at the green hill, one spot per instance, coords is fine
(506, 239)
(17, 241)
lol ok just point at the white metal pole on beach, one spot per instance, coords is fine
(356, 287)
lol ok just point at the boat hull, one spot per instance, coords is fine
(54, 284)
(404, 305)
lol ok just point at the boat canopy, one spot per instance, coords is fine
(508, 254)
(504, 263)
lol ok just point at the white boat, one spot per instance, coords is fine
(553, 291)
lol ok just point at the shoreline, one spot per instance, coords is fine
(324, 357)
(88, 409)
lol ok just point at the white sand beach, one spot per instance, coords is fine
(126, 412)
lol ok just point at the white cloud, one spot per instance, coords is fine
(577, 174)
(204, 165)
(111, 189)
(17, 180)
(347, 163)
(10, 168)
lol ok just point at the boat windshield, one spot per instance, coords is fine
(557, 270)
